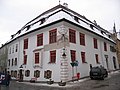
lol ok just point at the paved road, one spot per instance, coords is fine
(110, 83)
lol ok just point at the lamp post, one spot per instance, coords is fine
(20, 73)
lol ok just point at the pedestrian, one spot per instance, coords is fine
(8, 78)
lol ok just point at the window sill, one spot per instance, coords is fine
(51, 63)
(84, 62)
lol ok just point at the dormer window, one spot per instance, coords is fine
(91, 26)
(76, 19)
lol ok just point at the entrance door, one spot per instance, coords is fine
(114, 62)
(107, 63)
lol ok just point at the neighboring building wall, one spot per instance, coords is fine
(3, 58)
(118, 50)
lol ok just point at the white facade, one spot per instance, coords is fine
(61, 69)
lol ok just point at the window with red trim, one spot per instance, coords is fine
(26, 43)
(37, 58)
(72, 36)
(53, 36)
(82, 39)
(96, 57)
(40, 39)
(53, 56)
(95, 43)
(105, 46)
(25, 59)
(73, 55)
(83, 57)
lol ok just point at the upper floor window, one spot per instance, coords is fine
(12, 61)
(97, 58)
(73, 55)
(83, 57)
(72, 36)
(9, 62)
(10, 50)
(26, 43)
(13, 49)
(82, 39)
(15, 61)
(53, 36)
(37, 58)
(95, 43)
(53, 56)
(25, 59)
(16, 48)
(40, 39)
(105, 46)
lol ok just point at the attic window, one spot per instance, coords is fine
(42, 21)
(19, 32)
(102, 32)
(76, 19)
(12, 36)
(91, 26)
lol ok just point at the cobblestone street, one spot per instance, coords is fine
(110, 83)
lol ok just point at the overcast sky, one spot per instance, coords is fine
(16, 13)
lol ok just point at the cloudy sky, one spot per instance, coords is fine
(16, 13)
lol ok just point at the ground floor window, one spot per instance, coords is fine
(37, 73)
(27, 73)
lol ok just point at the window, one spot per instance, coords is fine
(9, 62)
(73, 55)
(37, 58)
(12, 62)
(53, 36)
(47, 74)
(83, 57)
(15, 61)
(72, 36)
(97, 58)
(53, 56)
(82, 39)
(12, 73)
(37, 73)
(10, 51)
(15, 74)
(27, 73)
(40, 39)
(25, 59)
(95, 43)
(26, 43)
(13, 49)
(105, 46)
(16, 48)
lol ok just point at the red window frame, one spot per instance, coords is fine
(95, 43)
(40, 39)
(26, 43)
(82, 39)
(97, 58)
(37, 58)
(73, 55)
(83, 57)
(72, 36)
(105, 46)
(25, 59)
(53, 36)
(53, 56)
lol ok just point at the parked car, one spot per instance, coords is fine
(98, 73)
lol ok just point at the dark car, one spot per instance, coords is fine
(98, 73)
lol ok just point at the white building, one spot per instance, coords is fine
(47, 45)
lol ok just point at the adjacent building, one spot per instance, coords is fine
(60, 45)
